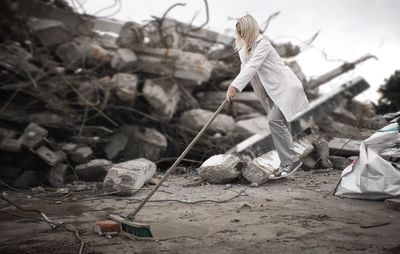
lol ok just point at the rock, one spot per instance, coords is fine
(129, 35)
(128, 177)
(123, 59)
(71, 54)
(126, 86)
(33, 135)
(221, 168)
(95, 170)
(81, 155)
(260, 168)
(10, 145)
(339, 162)
(143, 143)
(50, 32)
(117, 144)
(57, 175)
(248, 127)
(374, 123)
(174, 63)
(49, 156)
(27, 179)
(163, 96)
(195, 119)
(81, 51)
(344, 147)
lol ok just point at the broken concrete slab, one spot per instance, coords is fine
(58, 175)
(337, 71)
(221, 168)
(27, 179)
(262, 143)
(143, 143)
(338, 129)
(49, 156)
(50, 32)
(128, 177)
(393, 204)
(123, 59)
(81, 51)
(163, 96)
(81, 155)
(260, 168)
(33, 135)
(195, 119)
(130, 34)
(340, 162)
(116, 145)
(174, 63)
(94, 170)
(344, 147)
(10, 145)
(252, 126)
(125, 85)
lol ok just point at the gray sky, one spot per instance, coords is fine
(349, 28)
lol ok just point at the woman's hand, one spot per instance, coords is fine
(230, 93)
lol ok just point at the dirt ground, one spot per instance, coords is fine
(297, 215)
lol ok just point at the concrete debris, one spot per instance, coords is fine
(116, 145)
(163, 96)
(50, 32)
(94, 170)
(49, 156)
(149, 143)
(344, 147)
(128, 177)
(195, 119)
(123, 59)
(340, 162)
(33, 135)
(126, 86)
(104, 88)
(58, 175)
(260, 168)
(221, 168)
(81, 155)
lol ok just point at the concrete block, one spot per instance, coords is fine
(344, 147)
(125, 85)
(128, 177)
(50, 32)
(123, 59)
(33, 135)
(221, 168)
(81, 155)
(58, 175)
(195, 119)
(94, 170)
(163, 96)
(49, 156)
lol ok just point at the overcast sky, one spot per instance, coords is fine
(349, 28)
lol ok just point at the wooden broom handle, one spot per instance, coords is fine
(169, 171)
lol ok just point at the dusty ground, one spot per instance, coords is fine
(289, 216)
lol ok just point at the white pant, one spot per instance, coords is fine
(281, 135)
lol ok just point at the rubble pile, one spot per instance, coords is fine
(80, 95)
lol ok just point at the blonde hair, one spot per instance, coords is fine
(247, 32)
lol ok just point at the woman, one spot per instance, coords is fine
(276, 86)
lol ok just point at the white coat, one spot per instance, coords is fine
(265, 68)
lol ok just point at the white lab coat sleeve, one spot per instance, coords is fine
(251, 67)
